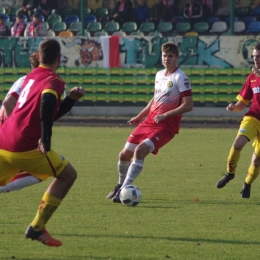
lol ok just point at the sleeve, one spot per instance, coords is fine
(183, 83)
(16, 89)
(65, 107)
(246, 93)
(55, 86)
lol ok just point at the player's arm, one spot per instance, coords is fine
(137, 119)
(240, 105)
(9, 104)
(68, 102)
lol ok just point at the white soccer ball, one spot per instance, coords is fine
(130, 195)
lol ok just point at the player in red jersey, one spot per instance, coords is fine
(25, 137)
(248, 130)
(172, 98)
(22, 179)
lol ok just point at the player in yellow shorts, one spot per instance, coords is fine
(249, 128)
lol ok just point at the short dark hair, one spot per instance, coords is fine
(34, 59)
(171, 47)
(49, 51)
(257, 47)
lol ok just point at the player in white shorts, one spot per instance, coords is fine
(172, 97)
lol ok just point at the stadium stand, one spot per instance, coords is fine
(182, 27)
(111, 27)
(53, 18)
(253, 27)
(129, 27)
(165, 28)
(147, 27)
(201, 27)
(94, 27)
(65, 34)
(101, 33)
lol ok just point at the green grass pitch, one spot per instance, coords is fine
(181, 216)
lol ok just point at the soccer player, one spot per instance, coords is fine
(22, 179)
(25, 137)
(172, 97)
(248, 130)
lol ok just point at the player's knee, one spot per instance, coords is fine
(256, 162)
(69, 174)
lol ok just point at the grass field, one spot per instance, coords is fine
(182, 214)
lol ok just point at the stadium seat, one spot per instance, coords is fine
(249, 19)
(201, 27)
(242, 11)
(94, 27)
(119, 33)
(13, 11)
(58, 27)
(191, 34)
(2, 10)
(177, 19)
(227, 20)
(137, 33)
(213, 19)
(53, 18)
(147, 27)
(47, 25)
(87, 34)
(129, 27)
(72, 18)
(66, 11)
(253, 27)
(75, 27)
(101, 33)
(9, 24)
(89, 18)
(111, 27)
(239, 27)
(6, 17)
(65, 34)
(255, 11)
(219, 27)
(87, 10)
(155, 34)
(182, 27)
(101, 11)
(165, 27)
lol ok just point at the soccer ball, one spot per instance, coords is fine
(130, 195)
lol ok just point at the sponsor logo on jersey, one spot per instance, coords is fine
(253, 80)
(186, 83)
(256, 90)
(242, 130)
(169, 84)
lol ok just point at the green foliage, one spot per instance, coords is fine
(182, 214)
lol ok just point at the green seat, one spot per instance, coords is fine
(165, 27)
(94, 27)
(102, 11)
(242, 11)
(147, 27)
(47, 25)
(13, 11)
(75, 27)
(101, 33)
(53, 18)
(2, 10)
(137, 33)
(59, 26)
(129, 27)
(9, 24)
(87, 34)
(201, 27)
(182, 27)
(155, 34)
(111, 27)
(87, 10)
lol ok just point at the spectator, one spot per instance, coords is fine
(4, 31)
(158, 12)
(206, 10)
(29, 6)
(141, 12)
(46, 7)
(18, 28)
(123, 12)
(36, 27)
(171, 8)
(193, 11)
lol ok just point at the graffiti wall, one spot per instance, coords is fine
(217, 67)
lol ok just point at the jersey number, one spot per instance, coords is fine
(24, 93)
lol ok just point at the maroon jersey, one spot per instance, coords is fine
(22, 129)
(251, 91)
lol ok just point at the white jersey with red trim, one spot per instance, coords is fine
(168, 93)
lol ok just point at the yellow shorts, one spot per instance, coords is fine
(39, 165)
(250, 128)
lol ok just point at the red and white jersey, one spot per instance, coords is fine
(14, 91)
(251, 92)
(168, 93)
(22, 130)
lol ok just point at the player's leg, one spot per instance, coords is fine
(20, 181)
(246, 132)
(122, 166)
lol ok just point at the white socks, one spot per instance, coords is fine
(122, 168)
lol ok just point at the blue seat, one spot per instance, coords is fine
(89, 18)
(72, 18)
(213, 19)
(253, 27)
(249, 19)
(255, 12)
(227, 19)
(5, 17)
